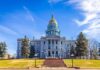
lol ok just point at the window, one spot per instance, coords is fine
(52, 52)
(44, 42)
(48, 47)
(61, 42)
(56, 42)
(49, 41)
(57, 53)
(49, 53)
(52, 41)
(56, 47)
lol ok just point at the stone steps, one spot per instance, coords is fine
(54, 63)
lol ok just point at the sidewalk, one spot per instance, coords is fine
(47, 68)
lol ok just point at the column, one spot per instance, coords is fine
(51, 48)
(60, 49)
(54, 48)
(46, 50)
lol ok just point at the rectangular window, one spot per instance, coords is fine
(56, 47)
(49, 41)
(56, 42)
(49, 47)
(52, 41)
(49, 53)
(44, 42)
(52, 52)
(57, 53)
(61, 42)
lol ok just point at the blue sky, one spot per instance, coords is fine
(31, 17)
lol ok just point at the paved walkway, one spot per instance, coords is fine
(54, 63)
(46, 68)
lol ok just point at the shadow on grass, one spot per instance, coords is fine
(74, 67)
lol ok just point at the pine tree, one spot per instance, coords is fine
(72, 50)
(32, 51)
(81, 45)
(25, 49)
(3, 48)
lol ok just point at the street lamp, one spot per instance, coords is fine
(72, 55)
(35, 60)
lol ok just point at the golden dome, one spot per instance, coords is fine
(53, 21)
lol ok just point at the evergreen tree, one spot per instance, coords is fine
(72, 51)
(32, 51)
(25, 49)
(3, 48)
(81, 45)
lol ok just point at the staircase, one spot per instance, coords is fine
(54, 63)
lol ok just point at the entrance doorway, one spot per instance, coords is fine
(53, 54)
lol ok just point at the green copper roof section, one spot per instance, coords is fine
(52, 29)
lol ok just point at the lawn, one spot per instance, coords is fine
(20, 63)
(25, 63)
(83, 63)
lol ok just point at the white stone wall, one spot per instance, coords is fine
(62, 47)
(59, 47)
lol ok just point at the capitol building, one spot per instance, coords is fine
(52, 45)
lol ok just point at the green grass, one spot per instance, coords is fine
(83, 63)
(20, 63)
(25, 63)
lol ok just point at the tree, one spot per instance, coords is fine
(94, 46)
(25, 49)
(72, 50)
(32, 51)
(3, 49)
(81, 45)
(95, 53)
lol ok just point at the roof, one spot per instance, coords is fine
(53, 21)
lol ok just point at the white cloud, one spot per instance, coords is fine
(30, 17)
(7, 30)
(89, 6)
(87, 20)
(90, 9)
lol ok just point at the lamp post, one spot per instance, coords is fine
(35, 60)
(72, 55)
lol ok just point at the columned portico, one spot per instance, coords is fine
(52, 49)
